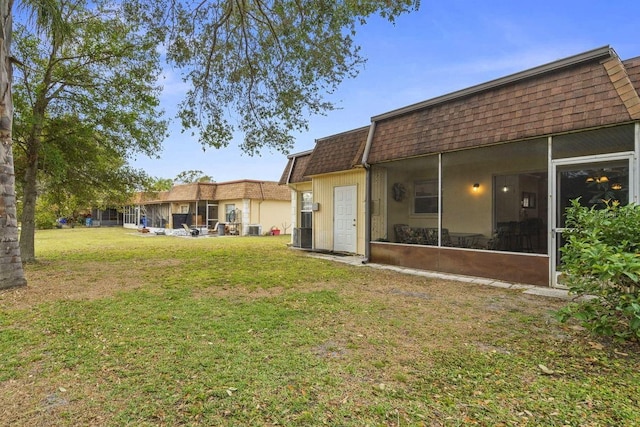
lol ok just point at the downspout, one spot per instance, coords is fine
(368, 192)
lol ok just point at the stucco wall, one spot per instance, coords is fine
(271, 213)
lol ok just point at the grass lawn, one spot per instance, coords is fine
(119, 328)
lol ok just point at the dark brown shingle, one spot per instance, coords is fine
(341, 152)
(299, 164)
(633, 70)
(567, 98)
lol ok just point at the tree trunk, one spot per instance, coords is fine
(30, 183)
(11, 272)
(30, 186)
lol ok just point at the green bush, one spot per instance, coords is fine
(600, 261)
(45, 219)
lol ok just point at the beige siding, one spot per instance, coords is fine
(323, 188)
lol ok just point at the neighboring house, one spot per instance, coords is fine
(476, 182)
(245, 207)
(328, 194)
(108, 217)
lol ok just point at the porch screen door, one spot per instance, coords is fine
(593, 180)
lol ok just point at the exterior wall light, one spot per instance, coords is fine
(476, 186)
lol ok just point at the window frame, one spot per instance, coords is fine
(419, 186)
(230, 208)
(306, 210)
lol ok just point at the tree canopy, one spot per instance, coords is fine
(77, 170)
(191, 176)
(260, 67)
(86, 99)
(155, 185)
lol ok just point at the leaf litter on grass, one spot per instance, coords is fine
(139, 338)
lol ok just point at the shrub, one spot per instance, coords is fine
(600, 260)
(45, 219)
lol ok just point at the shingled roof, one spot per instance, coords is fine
(248, 189)
(294, 171)
(338, 153)
(232, 190)
(633, 70)
(588, 90)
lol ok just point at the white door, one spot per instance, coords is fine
(592, 179)
(344, 219)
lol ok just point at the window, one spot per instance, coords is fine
(306, 209)
(307, 201)
(426, 197)
(184, 209)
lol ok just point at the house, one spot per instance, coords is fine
(476, 182)
(243, 207)
(107, 217)
(328, 194)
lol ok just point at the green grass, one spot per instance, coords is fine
(116, 329)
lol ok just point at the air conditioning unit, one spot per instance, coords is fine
(255, 230)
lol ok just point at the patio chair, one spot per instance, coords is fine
(501, 239)
(446, 238)
(430, 236)
(404, 234)
(193, 231)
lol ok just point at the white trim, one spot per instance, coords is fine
(439, 199)
(551, 234)
(246, 217)
(636, 174)
(595, 158)
(629, 156)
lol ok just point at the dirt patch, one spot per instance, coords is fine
(356, 345)
(47, 282)
(45, 403)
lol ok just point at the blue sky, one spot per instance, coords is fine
(446, 46)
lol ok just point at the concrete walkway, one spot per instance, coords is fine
(527, 289)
